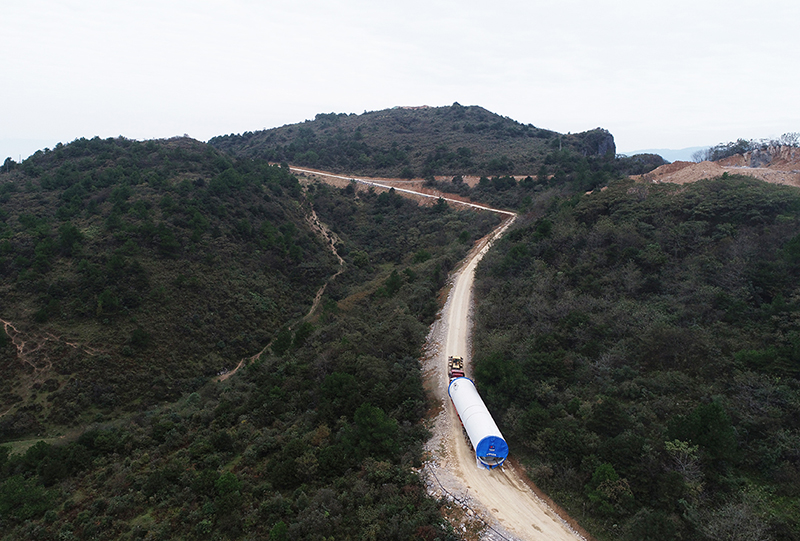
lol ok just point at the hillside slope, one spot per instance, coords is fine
(639, 348)
(315, 439)
(414, 141)
(130, 272)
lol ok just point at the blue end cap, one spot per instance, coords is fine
(492, 450)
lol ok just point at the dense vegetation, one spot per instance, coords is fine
(563, 172)
(415, 142)
(163, 262)
(640, 349)
(315, 440)
(639, 345)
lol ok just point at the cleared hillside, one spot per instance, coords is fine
(776, 165)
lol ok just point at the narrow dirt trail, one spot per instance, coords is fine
(32, 348)
(330, 237)
(36, 350)
(323, 231)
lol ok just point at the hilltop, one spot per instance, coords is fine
(415, 142)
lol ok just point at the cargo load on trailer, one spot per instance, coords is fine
(491, 449)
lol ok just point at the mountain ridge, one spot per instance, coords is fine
(415, 142)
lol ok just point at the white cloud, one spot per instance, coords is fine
(656, 75)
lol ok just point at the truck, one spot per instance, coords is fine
(482, 434)
(455, 367)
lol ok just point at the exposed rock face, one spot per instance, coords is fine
(775, 157)
(596, 142)
(606, 144)
(760, 158)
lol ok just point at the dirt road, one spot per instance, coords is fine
(499, 496)
(386, 184)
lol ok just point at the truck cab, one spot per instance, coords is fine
(455, 367)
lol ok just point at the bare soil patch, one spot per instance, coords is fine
(783, 168)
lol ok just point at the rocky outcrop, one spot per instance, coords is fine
(596, 142)
(760, 158)
(606, 144)
(784, 157)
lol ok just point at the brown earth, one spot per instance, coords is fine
(777, 165)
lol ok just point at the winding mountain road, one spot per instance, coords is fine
(503, 498)
(500, 497)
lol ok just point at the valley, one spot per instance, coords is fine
(233, 348)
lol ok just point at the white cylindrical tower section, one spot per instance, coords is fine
(490, 447)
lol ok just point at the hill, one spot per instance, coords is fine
(415, 142)
(132, 273)
(639, 346)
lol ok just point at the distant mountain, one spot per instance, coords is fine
(671, 155)
(415, 142)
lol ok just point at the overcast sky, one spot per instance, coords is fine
(656, 74)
